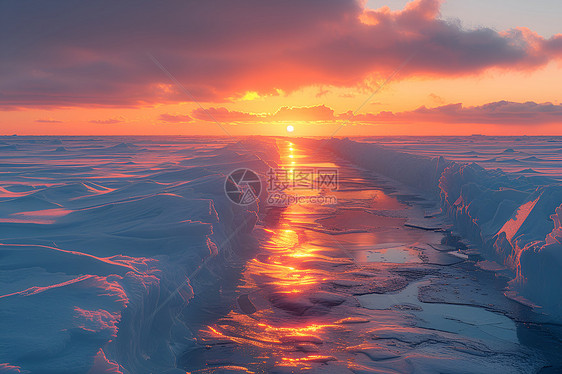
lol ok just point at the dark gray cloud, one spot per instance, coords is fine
(94, 53)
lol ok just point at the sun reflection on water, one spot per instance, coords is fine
(280, 274)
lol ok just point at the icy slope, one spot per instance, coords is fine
(532, 156)
(103, 246)
(513, 218)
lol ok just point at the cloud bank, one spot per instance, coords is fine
(501, 112)
(64, 53)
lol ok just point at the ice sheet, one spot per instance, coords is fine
(104, 242)
(513, 217)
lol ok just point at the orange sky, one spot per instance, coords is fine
(312, 73)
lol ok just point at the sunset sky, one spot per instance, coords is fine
(422, 67)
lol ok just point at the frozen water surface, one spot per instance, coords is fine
(123, 255)
(464, 320)
(336, 289)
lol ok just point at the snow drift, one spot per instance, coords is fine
(103, 248)
(515, 220)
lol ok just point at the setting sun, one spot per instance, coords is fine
(290, 128)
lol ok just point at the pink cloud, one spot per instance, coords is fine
(224, 115)
(175, 118)
(501, 112)
(306, 113)
(48, 120)
(109, 121)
